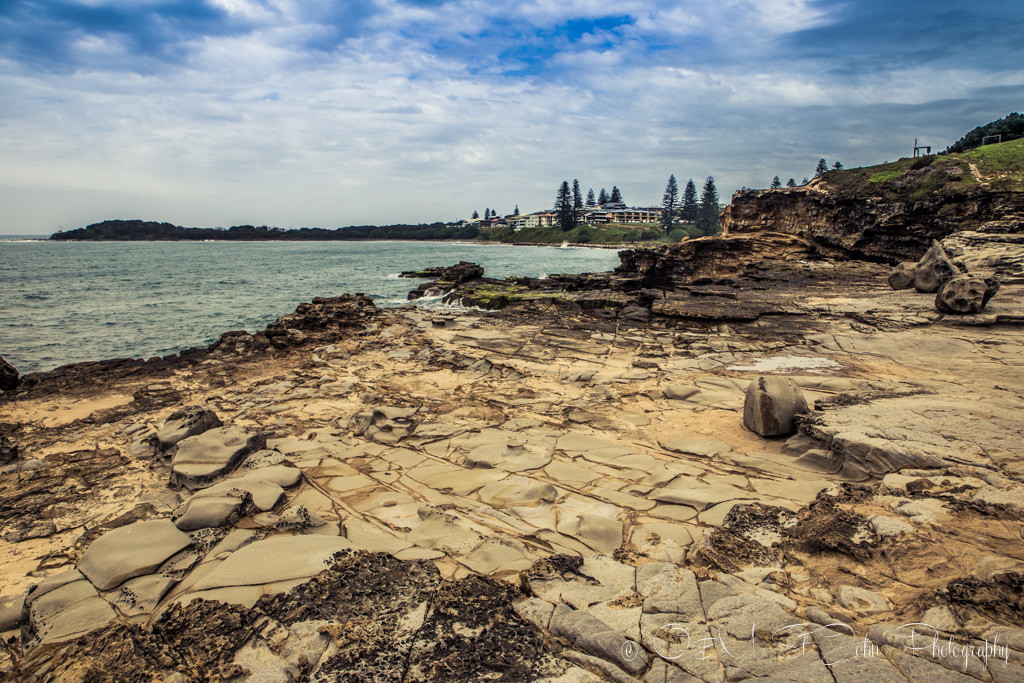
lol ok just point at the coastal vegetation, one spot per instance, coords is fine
(965, 166)
(139, 230)
(992, 167)
(1010, 127)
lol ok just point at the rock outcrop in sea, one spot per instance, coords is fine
(733, 458)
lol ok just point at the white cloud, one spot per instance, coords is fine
(388, 127)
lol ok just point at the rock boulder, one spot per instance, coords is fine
(934, 269)
(186, 422)
(903, 276)
(771, 404)
(202, 459)
(8, 376)
(965, 294)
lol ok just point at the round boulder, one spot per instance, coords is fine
(965, 294)
(771, 404)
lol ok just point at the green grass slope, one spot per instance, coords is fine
(992, 167)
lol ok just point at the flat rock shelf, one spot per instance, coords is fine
(561, 490)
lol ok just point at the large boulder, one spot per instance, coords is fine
(186, 422)
(463, 271)
(965, 294)
(771, 404)
(934, 269)
(903, 276)
(8, 376)
(200, 460)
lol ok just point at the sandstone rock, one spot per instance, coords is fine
(185, 422)
(130, 551)
(224, 502)
(596, 638)
(861, 600)
(844, 655)
(266, 567)
(771, 404)
(600, 533)
(8, 451)
(889, 526)
(933, 269)
(965, 294)
(10, 612)
(64, 607)
(199, 460)
(707, 448)
(903, 276)
(8, 376)
(210, 510)
(384, 424)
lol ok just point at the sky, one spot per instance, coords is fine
(314, 113)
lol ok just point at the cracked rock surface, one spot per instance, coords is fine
(563, 490)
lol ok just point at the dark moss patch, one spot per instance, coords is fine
(999, 599)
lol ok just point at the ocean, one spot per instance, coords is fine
(66, 302)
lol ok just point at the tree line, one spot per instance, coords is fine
(148, 231)
(703, 215)
(820, 170)
(1010, 127)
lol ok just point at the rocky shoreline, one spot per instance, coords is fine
(731, 458)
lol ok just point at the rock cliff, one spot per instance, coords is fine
(875, 227)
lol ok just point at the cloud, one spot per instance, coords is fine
(323, 113)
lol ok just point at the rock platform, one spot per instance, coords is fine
(559, 491)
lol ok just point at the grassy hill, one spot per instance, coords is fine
(992, 167)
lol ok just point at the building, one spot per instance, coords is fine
(632, 215)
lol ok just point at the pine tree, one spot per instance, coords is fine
(822, 168)
(516, 212)
(791, 183)
(837, 166)
(603, 197)
(668, 203)
(707, 218)
(563, 207)
(577, 197)
(476, 214)
(776, 183)
(591, 202)
(689, 212)
(616, 196)
(805, 181)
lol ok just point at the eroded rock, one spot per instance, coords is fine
(186, 422)
(8, 376)
(965, 294)
(771, 404)
(202, 459)
(903, 276)
(130, 551)
(933, 269)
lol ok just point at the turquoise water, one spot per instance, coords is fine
(64, 302)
